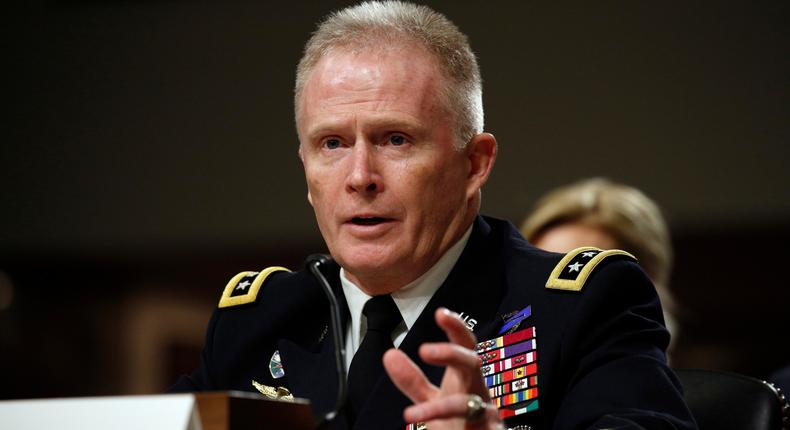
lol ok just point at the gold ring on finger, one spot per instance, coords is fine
(475, 407)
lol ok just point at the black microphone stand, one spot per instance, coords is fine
(314, 262)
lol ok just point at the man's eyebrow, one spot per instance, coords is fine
(321, 130)
(328, 127)
(405, 123)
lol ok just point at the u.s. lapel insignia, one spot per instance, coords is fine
(513, 320)
(279, 393)
(276, 366)
(510, 367)
(468, 321)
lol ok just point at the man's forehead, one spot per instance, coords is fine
(382, 76)
(342, 65)
(346, 71)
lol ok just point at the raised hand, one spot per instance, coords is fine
(462, 400)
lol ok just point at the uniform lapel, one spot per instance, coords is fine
(311, 375)
(474, 287)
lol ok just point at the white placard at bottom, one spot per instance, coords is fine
(157, 412)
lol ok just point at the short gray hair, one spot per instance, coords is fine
(377, 24)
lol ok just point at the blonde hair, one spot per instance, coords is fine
(624, 212)
(379, 25)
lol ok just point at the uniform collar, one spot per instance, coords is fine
(410, 299)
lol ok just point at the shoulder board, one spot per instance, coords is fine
(572, 271)
(244, 287)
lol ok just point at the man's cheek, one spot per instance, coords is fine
(314, 187)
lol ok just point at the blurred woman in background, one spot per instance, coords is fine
(604, 214)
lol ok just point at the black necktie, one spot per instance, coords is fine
(366, 367)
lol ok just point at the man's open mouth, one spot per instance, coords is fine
(367, 220)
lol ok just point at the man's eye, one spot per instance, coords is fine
(332, 143)
(397, 140)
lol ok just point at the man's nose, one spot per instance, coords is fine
(364, 176)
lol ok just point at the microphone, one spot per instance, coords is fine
(314, 263)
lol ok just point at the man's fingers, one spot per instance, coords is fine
(455, 328)
(463, 364)
(408, 377)
(451, 406)
(459, 356)
(450, 354)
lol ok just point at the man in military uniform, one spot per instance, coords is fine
(450, 319)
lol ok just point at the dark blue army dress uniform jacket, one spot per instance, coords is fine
(592, 358)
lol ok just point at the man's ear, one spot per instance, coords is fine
(309, 197)
(481, 152)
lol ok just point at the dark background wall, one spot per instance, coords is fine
(149, 153)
